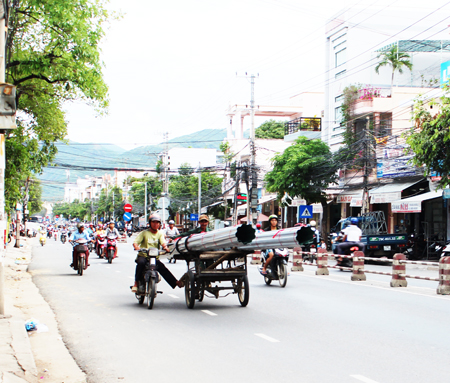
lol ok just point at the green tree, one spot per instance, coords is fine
(154, 189)
(396, 59)
(107, 204)
(304, 169)
(34, 196)
(429, 138)
(52, 56)
(270, 129)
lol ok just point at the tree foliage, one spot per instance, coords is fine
(270, 129)
(137, 192)
(76, 209)
(304, 169)
(429, 139)
(53, 57)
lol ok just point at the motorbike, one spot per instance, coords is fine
(49, 234)
(111, 247)
(346, 262)
(80, 249)
(63, 237)
(445, 250)
(149, 279)
(310, 254)
(55, 235)
(101, 245)
(129, 233)
(42, 240)
(277, 270)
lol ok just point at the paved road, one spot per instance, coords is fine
(317, 329)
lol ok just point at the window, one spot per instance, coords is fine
(337, 115)
(340, 57)
(339, 98)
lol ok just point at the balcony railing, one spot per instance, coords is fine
(310, 124)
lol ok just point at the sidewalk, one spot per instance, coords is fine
(37, 356)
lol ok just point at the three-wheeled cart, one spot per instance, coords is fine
(209, 271)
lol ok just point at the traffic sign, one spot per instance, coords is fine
(127, 208)
(193, 217)
(127, 217)
(163, 213)
(306, 211)
(163, 202)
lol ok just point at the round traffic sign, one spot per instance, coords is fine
(127, 217)
(127, 207)
(163, 202)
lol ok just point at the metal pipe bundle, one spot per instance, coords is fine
(217, 239)
(290, 237)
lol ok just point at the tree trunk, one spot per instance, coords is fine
(392, 81)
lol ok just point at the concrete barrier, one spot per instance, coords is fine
(322, 262)
(256, 257)
(297, 260)
(358, 267)
(444, 276)
(399, 271)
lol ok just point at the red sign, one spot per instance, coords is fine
(127, 208)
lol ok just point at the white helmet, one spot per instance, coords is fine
(313, 223)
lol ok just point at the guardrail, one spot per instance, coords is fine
(398, 273)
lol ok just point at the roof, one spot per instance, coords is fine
(419, 46)
(393, 187)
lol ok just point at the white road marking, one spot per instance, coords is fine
(173, 296)
(131, 277)
(268, 338)
(209, 313)
(363, 379)
(398, 290)
(117, 271)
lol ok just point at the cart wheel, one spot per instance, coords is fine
(282, 275)
(243, 291)
(267, 280)
(189, 290)
(151, 293)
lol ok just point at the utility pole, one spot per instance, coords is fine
(113, 217)
(199, 189)
(145, 202)
(365, 199)
(252, 197)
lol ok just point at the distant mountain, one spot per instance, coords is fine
(92, 159)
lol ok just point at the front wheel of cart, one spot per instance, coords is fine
(243, 291)
(189, 290)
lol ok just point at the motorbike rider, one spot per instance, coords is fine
(269, 253)
(152, 238)
(203, 221)
(80, 234)
(258, 228)
(352, 237)
(99, 232)
(171, 231)
(111, 229)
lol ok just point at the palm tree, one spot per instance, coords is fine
(397, 60)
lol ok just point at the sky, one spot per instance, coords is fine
(175, 66)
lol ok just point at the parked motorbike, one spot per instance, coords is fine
(446, 250)
(101, 245)
(149, 279)
(63, 237)
(310, 253)
(80, 249)
(277, 270)
(111, 247)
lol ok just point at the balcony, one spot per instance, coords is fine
(310, 127)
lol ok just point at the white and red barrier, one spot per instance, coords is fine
(256, 257)
(122, 238)
(398, 273)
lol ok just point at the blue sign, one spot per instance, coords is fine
(306, 211)
(127, 216)
(193, 217)
(445, 73)
(446, 194)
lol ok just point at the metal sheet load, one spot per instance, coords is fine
(217, 239)
(290, 237)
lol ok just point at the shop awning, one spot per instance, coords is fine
(353, 197)
(261, 218)
(390, 192)
(267, 198)
(414, 204)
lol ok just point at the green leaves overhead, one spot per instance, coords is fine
(53, 57)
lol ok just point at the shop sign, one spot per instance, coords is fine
(356, 201)
(347, 198)
(385, 197)
(298, 202)
(406, 207)
(317, 208)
